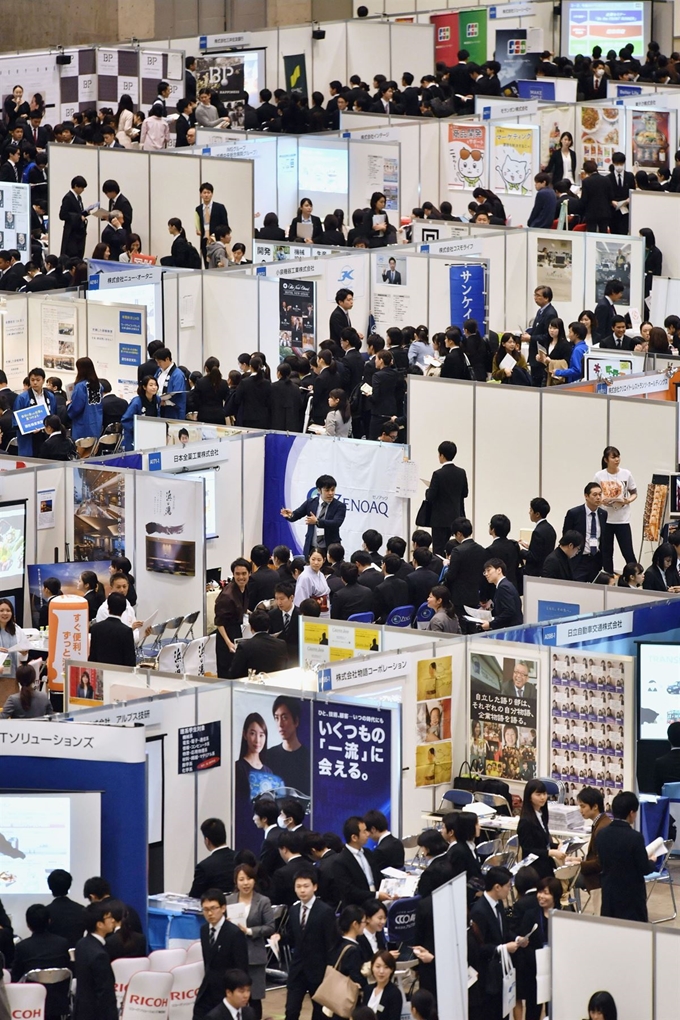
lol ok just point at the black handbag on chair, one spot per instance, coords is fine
(424, 515)
(469, 782)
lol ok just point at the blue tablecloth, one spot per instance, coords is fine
(172, 924)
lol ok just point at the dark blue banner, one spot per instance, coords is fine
(541, 90)
(466, 287)
(275, 529)
(351, 763)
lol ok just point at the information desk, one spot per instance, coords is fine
(172, 928)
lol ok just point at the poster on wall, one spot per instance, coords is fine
(85, 687)
(331, 642)
(612, 262)
(199, 747)
(296, 317)
(68, 575)
(351, 763)
(391, 269)
(59, 332)
(589, 718)
(467, 162)
(434, 749)
(232, 77)
(382, 174)
(271, 736)
(600, 132)
(15, 343)
(649, 133)
(515, 158)
(15, 217)
(98, 514)
(554, 266)
(464, 30)
(170, 513)
(504, 716)
(512, 53)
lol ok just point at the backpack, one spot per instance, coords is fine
(356, 400)
(195, 260)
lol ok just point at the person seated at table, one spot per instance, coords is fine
(28, 703)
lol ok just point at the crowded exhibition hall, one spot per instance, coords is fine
(340, 510)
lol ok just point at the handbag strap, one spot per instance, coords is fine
(337, 963)
(460, 770)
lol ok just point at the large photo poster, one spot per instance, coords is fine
(170, 516)
(515, 158)
(589, 721)
(15, 217)
(504, 716)
(99, 514)
(271, 736)
(467, 162)
(233, 77)
(650, 138)
(612, 262)
(600, 133)
(554, 266)
(296, 316)
(434, 752)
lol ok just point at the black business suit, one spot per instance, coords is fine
(667, 769)
(10, 173)
(311, 948)
(620, 217)
(291, 635)
(604, 313)
(36, 136)
(220, 1012)
(596, 203)
(67, 918)
(114, 408)
(539, 335)
(134, 947)
(270, 860)
(534, 838)
(282, 889)
(557, 565)
(121, 203)
(182, 125)
(329, 526)
(463, 862)
(317, 229)
(351, 599)
(351, 882)
(455, 366)
(610, 343)
(229, 952)
(386, 400)
(75, 228)
(420, 583)
(367, 948)
(96, 988)
(371, 577)
(389, 853)
(339, 320)
(261, 652)
(624, 864)
(261, 584)
(218, 218)
(326, 877)
(541, 544)
(526, 912)
(494, 931)
(507, 606)
(392, 593)
(216, 871)
(585, 567)
(555, 167)
(437, 873)
(112, 641)
(116, 240)
(464, 576)
(446, 494)
(424, 936)
(39, 952)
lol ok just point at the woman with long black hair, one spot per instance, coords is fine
(533, 833)
(57, 446)
(28, 703)
(211, 392)
(376, 225)
(86, 409)
(253, 397)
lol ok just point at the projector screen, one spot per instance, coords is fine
(610, 24)
(38, 833)
(322, 170)
(210, 502)
(659, 683)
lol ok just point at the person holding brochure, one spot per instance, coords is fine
(171, 386)
(252, 913)
(533, 833)
(509, 365)
(493, 933)
(507, 606)
(86, 410)
(625, 861)
(375, 224)
(30, 439)
(305, 226)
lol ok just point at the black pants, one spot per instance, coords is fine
(624, 538)
(440, 537)
(296, 990)
(598, 226)
(586, 568)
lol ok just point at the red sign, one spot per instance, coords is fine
(445, 38)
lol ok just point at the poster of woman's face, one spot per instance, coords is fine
(433, 721)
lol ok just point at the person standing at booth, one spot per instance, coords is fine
(589, 521)
(224, 948)
(624, 862)
(74, 215)
(209, 215)
(618, 492)
(95, 997)
(323, 515)
(171, 386)
(231, 608)
(446, 496)
(86, 409)
(31, 444)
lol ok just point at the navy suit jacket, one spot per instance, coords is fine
(330, 525)
(507, 607)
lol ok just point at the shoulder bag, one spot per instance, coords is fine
(337, 993)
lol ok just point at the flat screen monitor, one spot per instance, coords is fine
(659, 685)
(610, 24)
(210, 478)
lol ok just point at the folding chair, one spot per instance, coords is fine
(555, 788)
(663, 875)
(568, 874)
(175, 625)
(171, 658)
(190, 620)
(361, 618)
(401, 616)
(85, 446)
(423, 616)
(458, 798)
(57, 984)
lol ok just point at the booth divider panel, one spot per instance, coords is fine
(666, 973)
(174, 192)
(67, 162)
(367, 43)
(234, 184)
(430, 181)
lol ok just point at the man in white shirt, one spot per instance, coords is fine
(234, 1005)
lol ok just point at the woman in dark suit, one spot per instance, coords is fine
(525, 914)
(562, 159)
(653, 259)
(258, 927)
(461, 854)
(326, 378)
(253, 397)
(376, 225)
(183, 255)
(304, 215)
(210, 394)
(123, 942)
(532, 830)
(271, 231)
(373, 939)
(655, 576)
(559, 349)
(287, 404)
(346, 957)
(385, 999)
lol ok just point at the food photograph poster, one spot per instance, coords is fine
(600, 134)
(434, 752)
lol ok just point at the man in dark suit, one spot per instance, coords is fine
(542, 540)
(216, 871)
(558, 564)
(622, 183)
(266, 111)
(40, 951)
(12, 277)
(507, 606)
(312, 934)
(149, 367)
(209, 214)
(67, 918)
(190, 78)
(95, 984)
(339, 319)
(9, 171)
(185, 122)
(238, 986)
(353, 872)
(224, 948)
(519, 687)
(667, 767)
(111, 640)
(392, 275)
(74, 217)
(624, 862)
(446, 494)
(323, 515)
(392, 593)
(283, 621)
(34, 132)
(537, 333)
(118, 201)
(593, 85)
(388, 851)
(115, 235)
(265, 814)
(588, 519)
(617, 339)
(492, 924)
(591, 805)
(291, 844)
(262, 652)
(605, 309)
(369, 575)
(97, 890)
(596, 199)
(323, 857)
(114, 407)
(387, 399)
(464, 575)
(262, 580)
(422, 578)
(352, 597)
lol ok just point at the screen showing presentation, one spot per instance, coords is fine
(605, 23)
(659, 668)
(12, 545)
(253, 74)
(322, 170)
(43, 831)
(210, 505)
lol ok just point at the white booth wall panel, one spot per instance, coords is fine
(170, 290)
(594, 948)
(329, 57)
(364, 160)
(189, 349)
(262, 150)
(368, 49)
(666, 973)
(631, 424)
(588, 597)
(130, 168)
(516, 308)
(14, 334)
(286, 178)
(18, 485)
(411, 49)
(67, 162)
(431, 402)
(563, 478)
(174, 192)
(47, 538)
(221, 551)
(233, 180)
(230, 317)
(253, 491)
(562, 241)
(661, 213)
(316, 186)
(505, 417)
(430, 181)
(178, 865)
(353, 271)
(213, 786)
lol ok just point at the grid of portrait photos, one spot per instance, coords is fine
(434, 754)
(502, 724)
(588, 707)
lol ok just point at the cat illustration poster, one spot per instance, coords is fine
(514, 157)
(468, 158)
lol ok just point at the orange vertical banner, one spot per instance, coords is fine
(68, 622)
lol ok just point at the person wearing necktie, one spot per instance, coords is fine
(392, 275)
(622, 183)
(224, 948)
(283, 620)
(311, 932)
(588, 519)
(491, 921)
(234, 1005)
(74, 217)
(9, 171)
(519, 687)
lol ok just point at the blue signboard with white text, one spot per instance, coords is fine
(30, 419)
(467, 287)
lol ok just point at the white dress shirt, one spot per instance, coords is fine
(364, 865)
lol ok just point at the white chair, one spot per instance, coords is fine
(27, 1000)
(200, 658)
(195, 952)
(186, 981)
(148, 995)
(663, 875)
(171, 658)
(123, 970)
(165, 960)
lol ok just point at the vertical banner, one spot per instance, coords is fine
(472, 34)
(467, 290)
(468, 158)
(446, 38)
(170, 534)
(511, 53)
(99, 514)
(68, 626)
(270, 735)
(504, 715)
(224, 75)
(297, 331)
(649, 138)
(515, 156)
(351, 763)
(434, 753)
(589, 721)
(295, 70)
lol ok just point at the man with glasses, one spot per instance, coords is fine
(507, 605)
(224, 948)
(518, 687)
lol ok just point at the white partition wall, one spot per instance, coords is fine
(14, 332)
(227, 336)
(323, 173)
(374, 166)
(666, 973)
(660, 212)
(65, 164)
(134, 182)
(366, 42)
